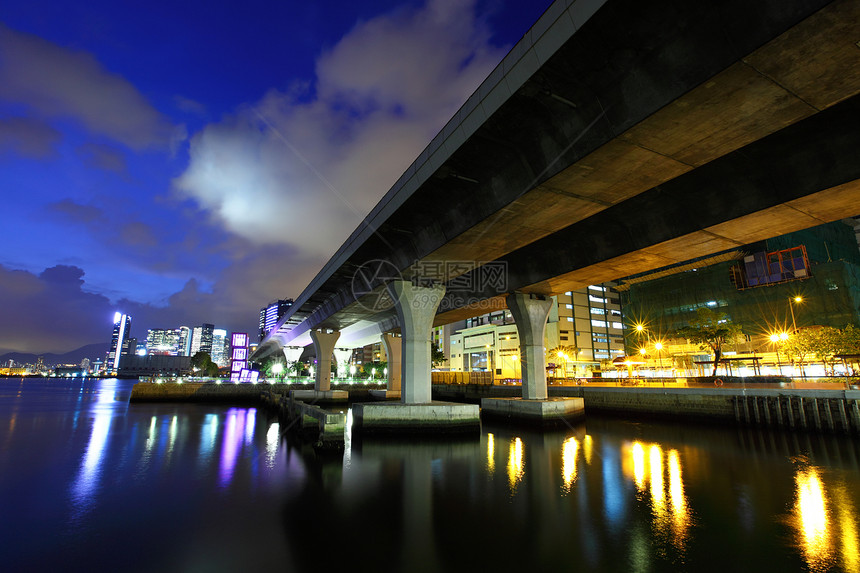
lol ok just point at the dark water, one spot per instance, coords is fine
(90, 482)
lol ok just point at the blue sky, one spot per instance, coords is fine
(187, 162)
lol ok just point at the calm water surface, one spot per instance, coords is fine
(91, 482)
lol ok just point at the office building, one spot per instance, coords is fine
(201, 339)
(220, 348)
(272, 313)
(119, 339)
(584, 332)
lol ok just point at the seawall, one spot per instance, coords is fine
(817, 410)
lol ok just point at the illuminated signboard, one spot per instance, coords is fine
(239, 358)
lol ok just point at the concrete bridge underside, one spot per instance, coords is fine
(613, 142)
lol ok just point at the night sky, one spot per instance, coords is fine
(187, 162)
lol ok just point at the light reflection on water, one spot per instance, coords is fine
(210, 485)
(515, 463)
(825, 519)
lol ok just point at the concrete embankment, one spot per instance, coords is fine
(226, 392)
(195, 392)
(814, 410)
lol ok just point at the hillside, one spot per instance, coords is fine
(91, 351)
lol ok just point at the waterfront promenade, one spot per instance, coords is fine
(807, 405)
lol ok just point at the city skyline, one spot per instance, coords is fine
(194, 178)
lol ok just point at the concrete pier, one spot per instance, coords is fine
(530, 314)
(320, 395)
(396, 417)
(542, 412)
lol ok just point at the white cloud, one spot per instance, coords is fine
(303, 167)
(54, 82)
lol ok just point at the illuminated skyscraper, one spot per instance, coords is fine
(201, 339)
(184, 341)
(271, 314)
(121, 330)
(220, 347)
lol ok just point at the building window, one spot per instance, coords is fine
(598, 323)
(593, 298)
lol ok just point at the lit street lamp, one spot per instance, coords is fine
(791, 303)
(775, 340)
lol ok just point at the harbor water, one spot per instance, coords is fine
(89, 482)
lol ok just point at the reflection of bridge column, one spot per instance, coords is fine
(342, 356)
(416, 308)
(530, 314)
(392, 350)
(323, 347)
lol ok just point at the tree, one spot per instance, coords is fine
(378, 366)
(202, 364)
(825, 342)
(710, 329)
(437, 357)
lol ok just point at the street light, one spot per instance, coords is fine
(658, 346)
(775, 339)
(791, 302)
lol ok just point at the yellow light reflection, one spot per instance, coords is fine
(677, 500)
(638, 454)
(656, 463)
(587, 447)
(811, 519)
(568, 462)
(515, 462)
(848, 527)
(491, 453)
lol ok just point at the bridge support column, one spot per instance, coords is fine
(415, 412)
(323, 346)
(342, 356)
(416, 307)
(530, 313)
(392, 352)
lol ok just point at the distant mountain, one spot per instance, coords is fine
(91, 351)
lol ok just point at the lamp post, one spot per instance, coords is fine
(774, 339)
(658, 346)
(791, 302)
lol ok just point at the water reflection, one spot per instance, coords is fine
(672, 517)
(89, 474)
(619, 497)
(515, 463)
(811, 513)
(825, 518)
(569, 449)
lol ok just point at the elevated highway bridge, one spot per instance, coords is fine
(616, 137)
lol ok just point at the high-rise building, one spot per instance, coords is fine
(184, 344)
(271, 314)
(119, 338)
(584, 330)
(220, 347)
(160, 341)
(201, 339)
